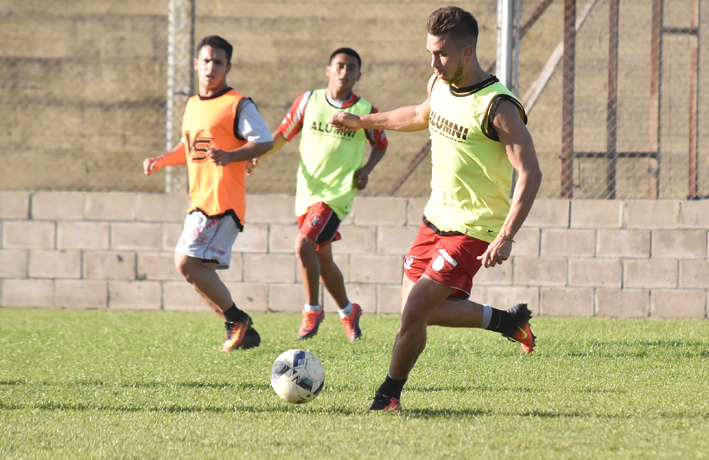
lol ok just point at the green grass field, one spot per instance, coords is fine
(103, 384)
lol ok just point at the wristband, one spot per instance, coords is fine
(505, 238)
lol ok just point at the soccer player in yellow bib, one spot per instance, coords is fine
(331, 171)
(478, 135)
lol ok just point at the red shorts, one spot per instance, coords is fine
(448, 258)
(320, 224)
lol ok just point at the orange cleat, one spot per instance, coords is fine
(311, 323)
(351, 323)
(235, 333)
(523, 333)
(385, 404)
(252, 339)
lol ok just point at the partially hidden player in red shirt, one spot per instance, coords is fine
(330, 172)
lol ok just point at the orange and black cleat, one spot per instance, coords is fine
(251, 339)
(236, 333)
(385, 404)
(523, 333)
(351, 323)
(311, 323)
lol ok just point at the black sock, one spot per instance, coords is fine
(234, 315)
(391, 387)
(502, 322)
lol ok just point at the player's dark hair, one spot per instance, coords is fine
(454, 21)
(347, 51)
(216, 42)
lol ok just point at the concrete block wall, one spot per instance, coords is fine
(572, 258)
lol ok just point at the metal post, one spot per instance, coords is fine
(567, 111)
(505, 41)
(516, 39)
(180, 50)
(612, 111)
(508, 36)
(655, 101)
(524, 28)
(693, 183)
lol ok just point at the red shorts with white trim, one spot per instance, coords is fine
(320, 224)
(448, 258)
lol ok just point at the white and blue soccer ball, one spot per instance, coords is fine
(297, 376)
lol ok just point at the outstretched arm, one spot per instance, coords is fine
(177, 156)
(519, 147)
(411, 118)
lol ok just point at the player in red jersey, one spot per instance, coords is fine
(331, 170)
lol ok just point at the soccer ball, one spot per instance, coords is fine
(297, 376)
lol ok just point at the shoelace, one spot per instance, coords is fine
(229, 329)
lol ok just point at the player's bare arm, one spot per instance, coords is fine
(405, 119)
(278, 142)
(175, 157)
(519, 146)
(247, 152)
(361, 176)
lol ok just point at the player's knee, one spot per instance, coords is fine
(305, 249)
(412, 323)
(182, 266)
(412, 335)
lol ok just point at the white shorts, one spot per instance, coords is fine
(208, 239)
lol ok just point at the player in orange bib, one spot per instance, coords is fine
(221, 130)
(330, 172)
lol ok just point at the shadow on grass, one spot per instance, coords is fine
(265, 387)
(441, 413)
(502, 389)
(407, 413)
(283, 409)
(102, 383)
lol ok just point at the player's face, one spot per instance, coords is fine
(446, 58)
(343, 72)
(212, 68)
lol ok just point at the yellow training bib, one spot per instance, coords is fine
(471, 174)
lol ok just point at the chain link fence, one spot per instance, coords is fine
(82, 93)
(619, 114)
(631, 106)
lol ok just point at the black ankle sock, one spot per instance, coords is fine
(234, 315)
(502, 322)
(391, 387)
